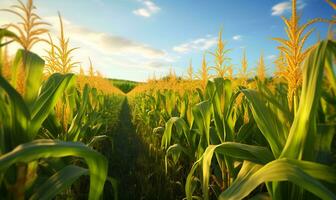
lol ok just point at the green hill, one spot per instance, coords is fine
(124, 85)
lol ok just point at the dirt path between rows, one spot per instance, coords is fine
(137, 174)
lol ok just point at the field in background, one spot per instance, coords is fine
(124, 85)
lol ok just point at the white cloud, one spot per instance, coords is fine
(107, 43)
(148, 10)
(271, 57)
(237, 37)
(114, 56)
(281, 8)
(199, 44)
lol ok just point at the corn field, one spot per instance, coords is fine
(213, 134)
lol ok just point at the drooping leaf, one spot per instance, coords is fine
(43, 148)
(302, 173)
(235, 150)
(59, 182)
(4, 33)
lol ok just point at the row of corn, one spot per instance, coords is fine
(52, 122)
(225, 137)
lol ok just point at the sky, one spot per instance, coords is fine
(135, 39)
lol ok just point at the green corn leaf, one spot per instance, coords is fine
(284, 109)
(261, 196)
(99, 138)
(180, 127)
(9, 34)
(301, 173)
(191, 181)
(114, 184)
(236, 150)
(50, 148)
(176, 149)
(52, 124)
(267, 121)
(330, 69)
(83, 105)
(202, 118)
(19, 115)
(16, 99)
(224, 94)
(59, 182)
(323, 143)
(34, 66)
(221, 106)
(301, 139)
(51, 92)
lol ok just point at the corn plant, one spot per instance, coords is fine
(59, 59)
(291, 155)
(26, 157)
(294, 52)
(31, 27)
(21, 123)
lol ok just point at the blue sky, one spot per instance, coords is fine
(133, 39)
